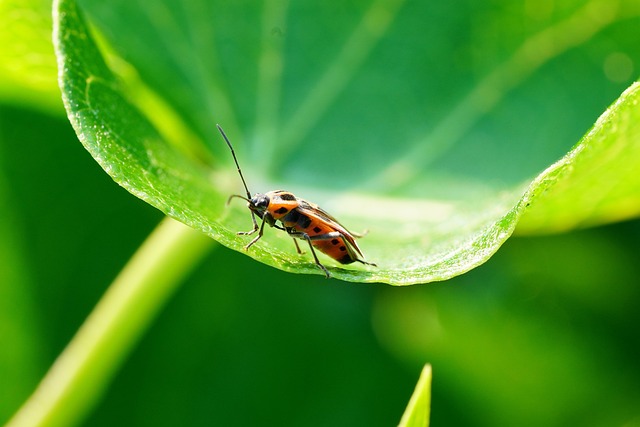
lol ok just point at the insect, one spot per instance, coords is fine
(301, 220)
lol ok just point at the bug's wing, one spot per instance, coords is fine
(320, 213)
(316, 212)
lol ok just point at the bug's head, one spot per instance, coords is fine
(259, 204)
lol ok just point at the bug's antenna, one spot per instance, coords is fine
(233, 153)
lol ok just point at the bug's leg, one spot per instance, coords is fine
(358, 235)
(315, 257)
(306, 237)
(257, 237)
(255, 228)
(373, 264)
(295, 242)
(356, 257)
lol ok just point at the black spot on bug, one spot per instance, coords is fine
(317, 229)
(343, 248)
(303, 221)
(346, 259)
(282, 210)
(335, 241)
(287, 196)
(291, 217)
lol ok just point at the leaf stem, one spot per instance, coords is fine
(82, 372)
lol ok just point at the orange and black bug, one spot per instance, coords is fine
(301, 220)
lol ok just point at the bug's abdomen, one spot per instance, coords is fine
(335, 247)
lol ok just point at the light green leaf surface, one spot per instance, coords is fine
(419, 407)
(383, 112)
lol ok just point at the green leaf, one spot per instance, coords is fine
(419, 407)
(27, 62)
(383, 112)
(597, 182)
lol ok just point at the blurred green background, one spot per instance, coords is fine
(545, 333)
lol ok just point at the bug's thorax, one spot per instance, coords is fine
(277, 203)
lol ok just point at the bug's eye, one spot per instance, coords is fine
(260, 201)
